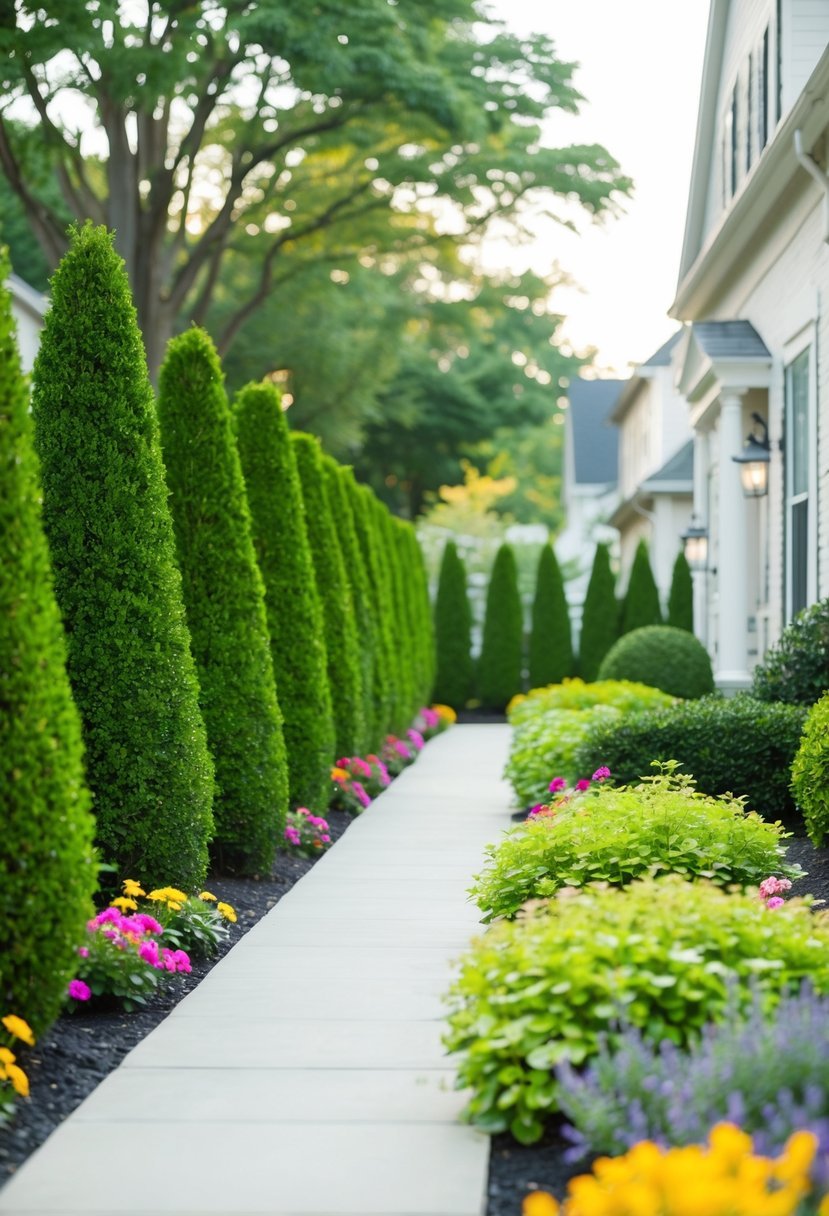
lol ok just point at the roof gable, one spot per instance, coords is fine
(595, 441)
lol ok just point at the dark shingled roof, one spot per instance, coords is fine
(730, 340)
(662, 357)
(680, 467)
(595, 441)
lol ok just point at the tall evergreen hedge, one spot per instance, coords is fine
(225, 604)
(681, 596)
(454, 679)
(47, 874)
(110, 534)
(426, 628)
(355, 571)
(551, 645)
(403, 641)
(501, 659)
(295, 621)
(600, 616)
(641, 603)
(341, 645)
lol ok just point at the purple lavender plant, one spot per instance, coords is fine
(767, 1071)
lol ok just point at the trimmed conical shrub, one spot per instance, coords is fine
(47, 873)
(641, 602)
(455, 675)
(295, 620)
(425, 625)
(501, 659)
(551, 646)
(225, 604)
(384, 664)
(399, 620)
(681, 597)
(355, 571)
(342, 647)
(600, 616)
(110, 535)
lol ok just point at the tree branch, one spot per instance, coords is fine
(48, 227)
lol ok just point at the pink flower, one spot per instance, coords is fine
(537, 809)
(147, 923)
(148, 952)
(108, 914)
(79, 991)
(303, 810)
(83, 951)
(774, 886)
(429, 717)
(110, 934)
(360, 766)
(401, 749)
(416, 738)
(291, 835)
(361, 795)
(182, 960)
(601, 774)
(775, 902)
(168, 960)
(583, 785)
(325, 839)
(557, 785)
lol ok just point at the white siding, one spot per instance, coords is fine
(808, 33)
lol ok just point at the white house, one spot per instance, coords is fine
(753, 293)
(656, 464)
(28, 309)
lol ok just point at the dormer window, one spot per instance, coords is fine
(763, 91)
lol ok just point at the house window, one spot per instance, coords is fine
(779, 58)
(750, 112)
(763, 91)
(734, 132)
(799, 513)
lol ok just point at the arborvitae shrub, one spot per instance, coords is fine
(453, 632)
(47, 875)
(397, 616)
(294, 612)
(663, 657)
(355, 571)
(641, 602)
(681, 596)
(405, 632)
(341, 645)
(551, 646)
(600, 616)
(424, 611)
(225, 604)
(501, 659)
(110, 534)
(810, 772)
(384, 692)
(377, 515)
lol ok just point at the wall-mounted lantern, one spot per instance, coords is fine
(754, 461)
(695, 545)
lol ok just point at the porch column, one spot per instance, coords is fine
(700, 577)
(732, 564)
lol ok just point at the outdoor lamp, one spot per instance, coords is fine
(695, 545)
(754, 462)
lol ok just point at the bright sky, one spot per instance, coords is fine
(641, 66)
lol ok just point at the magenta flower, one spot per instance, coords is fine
(537, 809)
(291, 835)
(583, 785)
(601, 774)
(360, 793)
(181, 959)
(148, 923)
(148, 952)
(416, 738)
(774, 886)
(108, 914)
(557, 785)
(401, 749)
(325, 839)
(79, 991)
(430, 718)
(83, 951)
(774, 903)
(361, 767)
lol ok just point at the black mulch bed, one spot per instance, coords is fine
(478, 717)
(84, 1047)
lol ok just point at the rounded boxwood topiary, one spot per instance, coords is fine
(501, 659)
(293, 607)
(640, 606)
(47, 870)
(681, 596)
(341, 643)
(736, 745)
(664, 657)
(107, 520)
(453, 632)
(551, 647)
(225, 604)
(810, 772)
(600, 616)
(796, 669)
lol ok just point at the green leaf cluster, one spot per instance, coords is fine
(735, 745)
(107, 520)
(615, 835)
(665, 955)
(796, 668)
(224, 601)
(681, 595)
(600, 616)
(551, 647)
(453, 632)
(47, 871)
(810, 772)
(664, 657)
(641, 606)
(500, 663)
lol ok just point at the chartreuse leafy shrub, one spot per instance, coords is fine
(664, 657)
(640, 606)
(341, 645)
(600, 616)
(681, 595)
(225, 604)
(549, 725)
(613, 835)
(107, 520)
(293, 607)
(767, 1071)
(500, 662)
(551, 646)
(796, 669)
(453, 632)
(810, 772)
(735, 745)
(665, 955)
(47, 875)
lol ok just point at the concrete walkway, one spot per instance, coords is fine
(305, 1075)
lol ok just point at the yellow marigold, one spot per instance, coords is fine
(823, 1210)
(132, 888)
(7, 1056)
(446, 712)
(539, 1203)
(19, 1080)
(124, 903)
(19, 1029)
(338, 774)
(169, 896)
(227, 912)
(207, 896)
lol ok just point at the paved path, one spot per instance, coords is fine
(305, 1075)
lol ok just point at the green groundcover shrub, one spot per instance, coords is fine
(664, 955)
(549, 724)
(797, 668)
(616, 835)
(810, 772)
(664, 657)
(736, 745)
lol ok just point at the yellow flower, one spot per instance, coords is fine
(445, 712)
(171, 896)
(124, 903)
(7, 1056)
(823, 1210)
(207, 896)
(19, 1029)
(132, 888)
(19, 1080)
(539, 1203)
(227, 912)
(339, 774)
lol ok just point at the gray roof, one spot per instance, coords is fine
(662, 357)
(595, 441)
(679, 469)
(730, 340)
